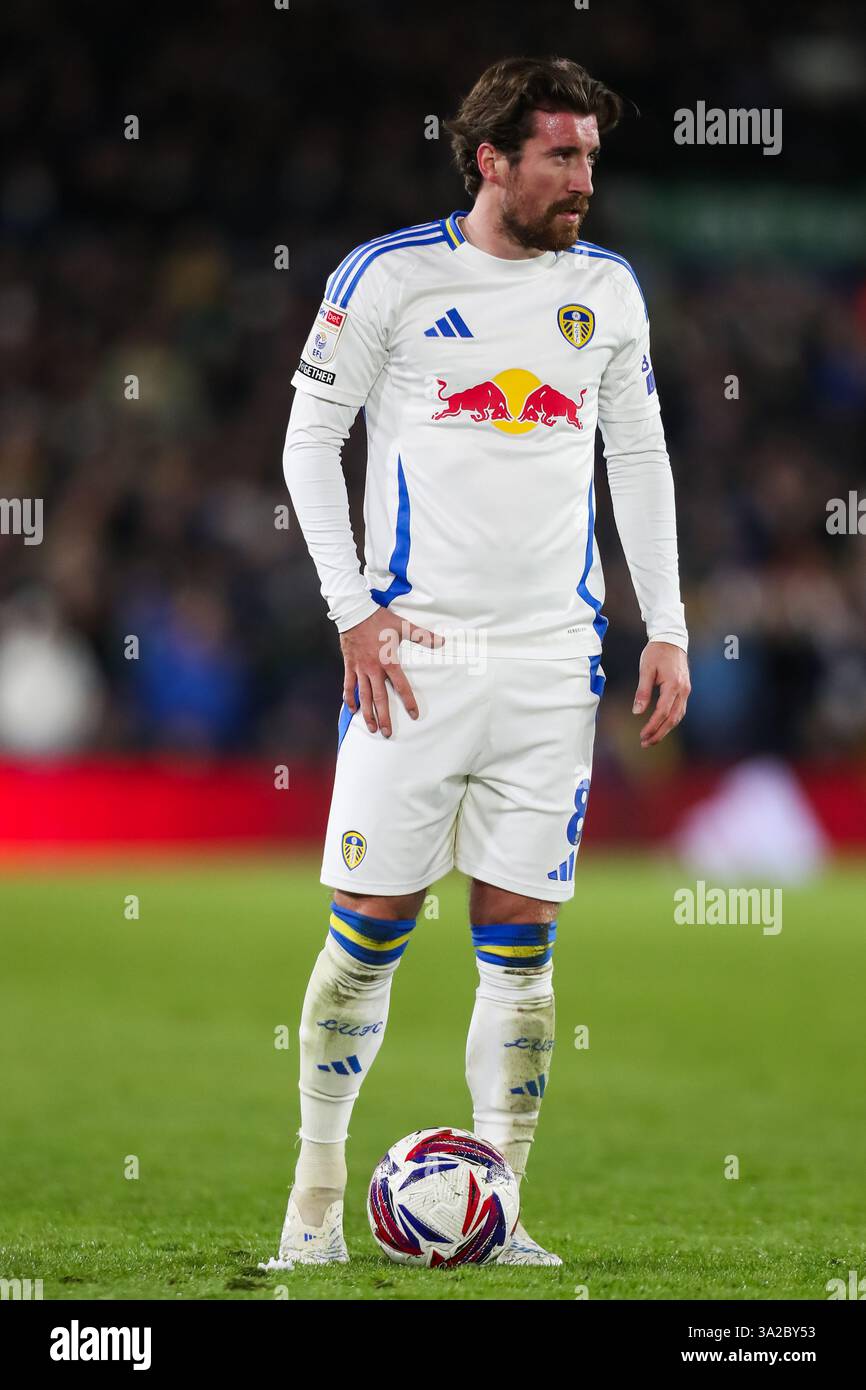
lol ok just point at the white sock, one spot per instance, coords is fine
(342, 1027)
(508, 1054)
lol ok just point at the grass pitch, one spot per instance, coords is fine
(155, 1039)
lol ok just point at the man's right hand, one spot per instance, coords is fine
(370, 657)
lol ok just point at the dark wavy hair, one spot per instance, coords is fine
(499, 109)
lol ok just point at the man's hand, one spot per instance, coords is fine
(370, 657)
(666, 666)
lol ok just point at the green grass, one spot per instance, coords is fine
(155, 1038)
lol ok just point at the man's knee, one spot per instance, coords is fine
(399, 908)
(489, 905)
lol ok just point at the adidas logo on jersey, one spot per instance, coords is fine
(451, 325)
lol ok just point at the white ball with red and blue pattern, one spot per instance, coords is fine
(443, 1197)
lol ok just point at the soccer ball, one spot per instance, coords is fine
(442, 1197)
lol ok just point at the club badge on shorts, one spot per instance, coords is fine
(354, 848)
(576, 324)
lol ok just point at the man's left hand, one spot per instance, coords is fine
(665, 666)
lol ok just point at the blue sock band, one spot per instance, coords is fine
(372, 940)
(521, 944)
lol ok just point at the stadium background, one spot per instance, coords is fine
(306, 128)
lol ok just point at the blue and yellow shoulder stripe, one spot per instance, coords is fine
(589, 248)
(344, 281)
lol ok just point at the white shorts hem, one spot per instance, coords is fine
(527, 890)
(384, 890)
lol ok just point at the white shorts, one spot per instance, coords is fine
(493, 777)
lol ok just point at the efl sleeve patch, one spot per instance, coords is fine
(346, 349)
(325, 334)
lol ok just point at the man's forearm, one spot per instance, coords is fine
(642, 492)
(314, 476)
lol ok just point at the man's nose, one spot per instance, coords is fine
(581, 181)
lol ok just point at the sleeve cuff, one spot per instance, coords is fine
(676, 639)
(364, 608)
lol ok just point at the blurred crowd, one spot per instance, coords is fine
(147, 342)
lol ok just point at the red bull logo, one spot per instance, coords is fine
(515, 401)
(547, 405)
(486, 401)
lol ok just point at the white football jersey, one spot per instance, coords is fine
(482, 382)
